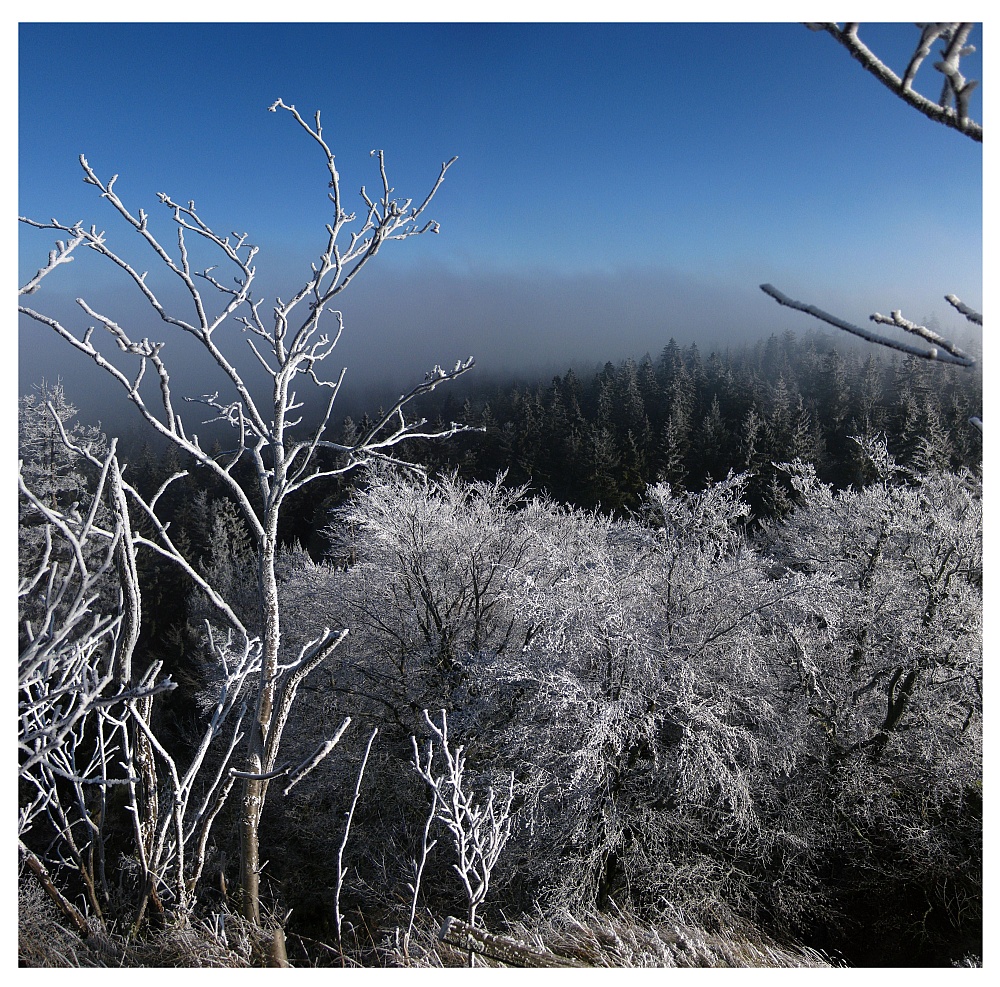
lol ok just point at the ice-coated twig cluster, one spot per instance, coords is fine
(952, 107)
(479, 830)
(84, 713)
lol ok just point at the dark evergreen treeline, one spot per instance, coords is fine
(598, 439)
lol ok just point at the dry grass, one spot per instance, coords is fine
(609, 941)
(44, 941)
(620, 942)
(41, 939)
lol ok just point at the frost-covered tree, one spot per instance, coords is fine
(50, 468)
(651, 730)
(435, 578)
(62, 479)
(438, 584)
(291, 345)
(902, 568)
(883, 676)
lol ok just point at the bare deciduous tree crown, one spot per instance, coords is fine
(291, 346)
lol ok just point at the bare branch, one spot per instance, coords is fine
(63, 254)
(341, 869)
(971, 314)
(896, 319)
(950, 355)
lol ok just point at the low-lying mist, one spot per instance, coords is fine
(402, 321)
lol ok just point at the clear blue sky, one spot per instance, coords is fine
(616, 184)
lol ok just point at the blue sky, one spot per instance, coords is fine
(617, 184)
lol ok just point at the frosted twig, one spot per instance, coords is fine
(425, 849)
(341, 869)
(956, 88)
(896, 319)
(63, 254)
(931, 354)
(970, 313)
(316, 758)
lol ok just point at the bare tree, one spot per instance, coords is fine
(85, 714)
(479, 830)
(291, 346)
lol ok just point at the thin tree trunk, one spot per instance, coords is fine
(249, 845)
(254, 790)
(144, 797)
